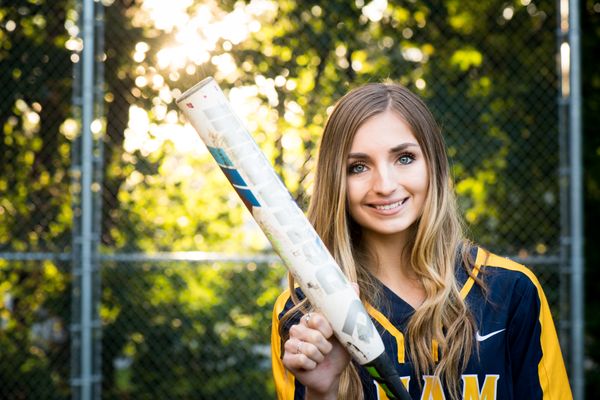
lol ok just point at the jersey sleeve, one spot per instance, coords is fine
(538, 370)
(286, 386)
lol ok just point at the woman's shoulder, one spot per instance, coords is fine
(501, 273)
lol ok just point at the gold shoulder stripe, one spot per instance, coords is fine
(383, 321)
(284, 380)
(480, 260)
(435, 350)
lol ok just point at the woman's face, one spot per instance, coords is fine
(387, 176)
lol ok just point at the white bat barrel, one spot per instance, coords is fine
(280, 218)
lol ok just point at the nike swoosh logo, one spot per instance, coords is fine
(486, 337)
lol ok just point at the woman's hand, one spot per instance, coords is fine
(315, 356)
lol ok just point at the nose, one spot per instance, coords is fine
(385, 181)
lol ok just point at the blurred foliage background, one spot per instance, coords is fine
(198, 327)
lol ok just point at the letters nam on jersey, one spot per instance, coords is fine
(472, 388)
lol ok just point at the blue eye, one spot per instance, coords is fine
(406, 159)
(357, 168)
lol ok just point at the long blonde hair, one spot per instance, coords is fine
(443, 318)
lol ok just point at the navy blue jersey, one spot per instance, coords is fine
(518, 354)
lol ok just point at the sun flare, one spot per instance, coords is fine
(198, 30)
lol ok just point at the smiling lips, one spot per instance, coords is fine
(389, 206)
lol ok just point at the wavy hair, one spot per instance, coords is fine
(443, 319)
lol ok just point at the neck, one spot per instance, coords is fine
(393, 268)
(391, 257)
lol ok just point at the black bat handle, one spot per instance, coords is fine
(383, 371)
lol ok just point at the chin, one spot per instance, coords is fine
(400, 230)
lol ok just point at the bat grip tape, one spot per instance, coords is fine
(383, 371)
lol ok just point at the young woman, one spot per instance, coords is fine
(460, 322)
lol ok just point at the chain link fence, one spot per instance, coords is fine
(187, 330)
(166, 321)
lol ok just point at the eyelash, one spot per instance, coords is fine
(352, 166)
(411, 156)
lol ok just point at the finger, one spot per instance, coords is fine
(293, 346)
(310, 335)
(311, 351)
(295, 357)
(319, 322)
(306, 319)
(298, 362)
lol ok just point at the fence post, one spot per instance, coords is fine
(85, 329)
(576, 202)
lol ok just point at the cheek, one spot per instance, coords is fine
(422, 181)
(425, 184)
(354, 197)
(352, 186)
(417, 182)
(351, 192)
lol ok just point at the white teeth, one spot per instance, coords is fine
(390, 206)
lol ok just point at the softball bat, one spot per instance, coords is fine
(289, 231)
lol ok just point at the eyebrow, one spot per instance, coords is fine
(393, 150)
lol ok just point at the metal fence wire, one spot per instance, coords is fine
(119, 273)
